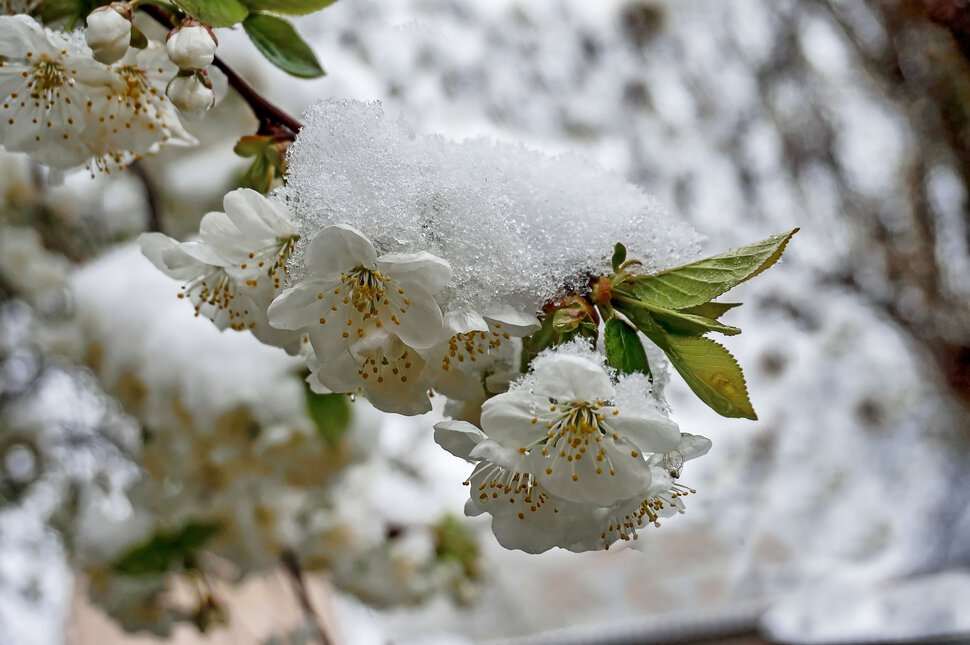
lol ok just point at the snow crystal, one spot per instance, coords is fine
(516, 225)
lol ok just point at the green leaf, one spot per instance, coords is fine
(281, 45)
(708, 368)
(293, 7)
(711, 309)
(166, 550)
(624, 351)
(699, 282)
(215, 13)
(678, 322)
(330, 412)
(619, 256)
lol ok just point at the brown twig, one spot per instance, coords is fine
(295, 572)
(273, 120)
(151, 197)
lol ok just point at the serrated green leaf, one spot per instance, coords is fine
(699, 282)
(165, 550)
(706, 366)
(624, 351)
(330, 413)
(619, 256)
(276, 39)
(292, 7)
(711, 309)
(215, 13)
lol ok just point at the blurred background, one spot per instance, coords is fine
(841, 515)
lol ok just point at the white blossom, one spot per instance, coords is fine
(137, 118)
(191, 46)
(366, 316)
(238, 267)
(109, 32)
(50, 85)
(526, 516)
(581, 445)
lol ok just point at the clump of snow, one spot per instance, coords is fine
(516, 225)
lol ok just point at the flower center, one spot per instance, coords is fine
(213, 292)
(626, 527)
(366, 289)
(495, 484)
(577, 430)
(272, 259)
(469, 346)
(46, 79)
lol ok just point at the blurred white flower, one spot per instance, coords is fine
(191, 46)
(109, 32)
(191, 95)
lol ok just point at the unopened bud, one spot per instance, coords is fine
(191, 45)
(192, 94)
(109, 32)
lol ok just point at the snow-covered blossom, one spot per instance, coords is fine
(517, 226)
(191, 95)
(366, 316)
(50, 85)
(109, 32)
(237, 268)
(191, 46)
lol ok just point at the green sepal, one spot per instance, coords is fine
(215, 13)
(700, 282)
(292, 7)
(619, 256)
(559, 326)
(166, 550)
(269, 162)
(624, 351)
(330, 413)
(277, 40)
(707, 367)
(138, 39)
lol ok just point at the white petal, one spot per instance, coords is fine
(424, 269)
(299, 306)
(20, 34)
(457, 437)
(693, 446)
(621, 474)
(420, 324)
(511, 320)
(649, 432)
(572, 378)
(200, 252)
(224, 237)
(153, 245)
(463, 321)
(337, 371)
(338, 249)
(507, 418)
(258, 217)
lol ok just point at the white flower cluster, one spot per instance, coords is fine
(65, 108)
(419, 265)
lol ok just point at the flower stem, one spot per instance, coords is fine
(273, 121)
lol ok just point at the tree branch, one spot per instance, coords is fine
(295, 572)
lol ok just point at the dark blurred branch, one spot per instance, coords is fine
(295, 574)
(151, 196)
(273, 121)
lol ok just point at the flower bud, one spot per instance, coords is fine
(192, 94)
(191, 46)
(109, 32)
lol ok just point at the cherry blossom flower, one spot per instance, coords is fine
(581, 445)
(109, 32)
(191, 46)
(49, 86)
